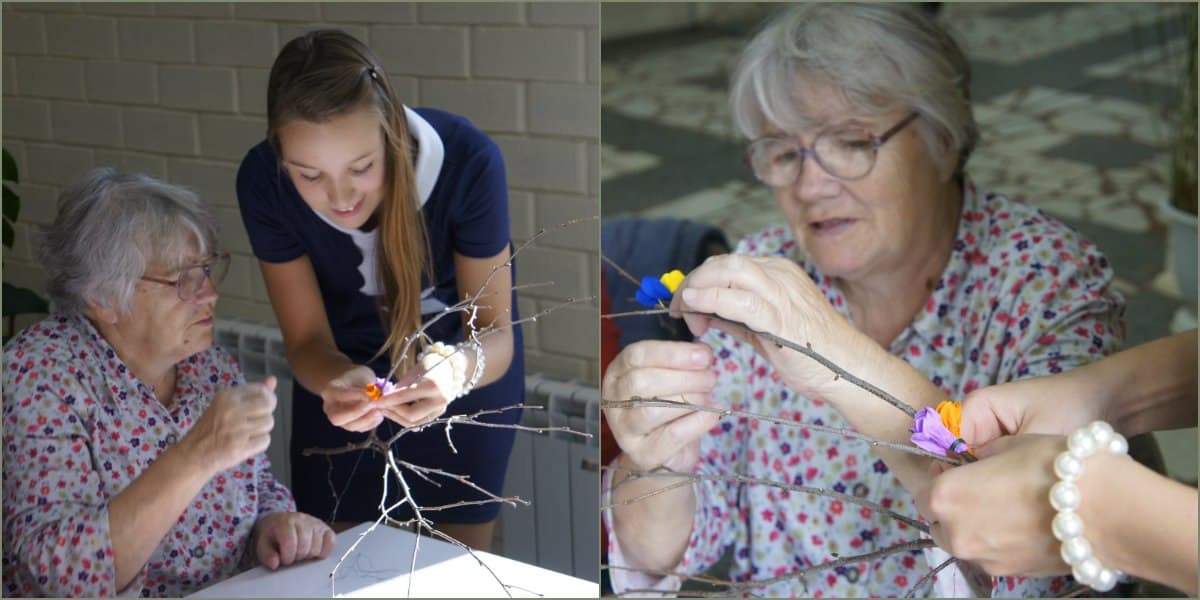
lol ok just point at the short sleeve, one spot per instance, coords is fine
(481, 220)
(259, 191)
(56, 532)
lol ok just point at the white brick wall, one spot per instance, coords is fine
(178, 90)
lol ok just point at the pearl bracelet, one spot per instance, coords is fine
(480, 361)
(1065, 498)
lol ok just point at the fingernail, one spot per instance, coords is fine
(690, 295)
(699, 358)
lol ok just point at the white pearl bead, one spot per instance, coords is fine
(1064, 495)
(1075, 550)
(1067, 525)
(1067, 467)
(1105, 580)
(1081, 443)
(1089, 568)
(1098, 428)
(1101, 439)
(1118, 445)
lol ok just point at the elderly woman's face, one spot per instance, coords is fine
(337, 165)
(856, 228)
(163, 323)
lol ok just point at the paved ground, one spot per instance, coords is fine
(1075, 117)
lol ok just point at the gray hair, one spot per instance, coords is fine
(111, 227)
(879, 57)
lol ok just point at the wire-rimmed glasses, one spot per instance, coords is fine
(191, 279)
(847, 152)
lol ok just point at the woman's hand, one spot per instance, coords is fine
(1055, 405)
(773, 295)
(414, 404)
(236, 426)
(996, 512)
(668, 437)
(281, 539)
(347, 404)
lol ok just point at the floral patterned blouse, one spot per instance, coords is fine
(1022, 296)
(78, 429)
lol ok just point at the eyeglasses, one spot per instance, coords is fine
(846, 152)
(191, 279)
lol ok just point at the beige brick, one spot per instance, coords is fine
(407, 90)
(252, 91)
(29, 119)
(125, 82)
(236, 44)
(26, 275)
(564, 13)
(201, 10)
(20, 250)
(553, 210)
(87, 124)
(552, 364)
(39, 203)
(10, 76)
(520, 214)
(491, 105)
(237, 281)
(437, 51)
(369, 12)
(277, 11)
(156, 40)
(528, 53)
(215, 182)
(471, 13)
(121, 9)
(237, 308)
(53, 7)
(134, 162)
(81, 37)
(564, 109)
(527, 307)
(23, 33)
(544, 164)
(258, 287)
(568, 271)
(17, 149)
(233, 231)
(200, 88)
(593, 168)
(290, 31)
(228, 138)
(571, 330)
(154, 130)
(50, 77)
(593, 55)
(56, 165)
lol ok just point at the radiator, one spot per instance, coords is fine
(557, 472)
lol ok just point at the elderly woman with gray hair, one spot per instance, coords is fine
(133, 447)
(892, 265)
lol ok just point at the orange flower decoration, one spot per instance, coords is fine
(374, 392)
(951, 413)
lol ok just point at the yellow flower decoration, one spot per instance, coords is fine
(672, 279)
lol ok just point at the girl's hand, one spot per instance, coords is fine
(414, 404)
(347, 404)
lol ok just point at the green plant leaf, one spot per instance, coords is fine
(9, 234)
(19, 300)
(9, 168)
(12, 205)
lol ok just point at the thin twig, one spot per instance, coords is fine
(929, 576)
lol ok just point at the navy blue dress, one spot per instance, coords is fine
(462, 187)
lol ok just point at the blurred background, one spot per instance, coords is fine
(1083, 109)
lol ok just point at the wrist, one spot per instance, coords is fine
(194, 456)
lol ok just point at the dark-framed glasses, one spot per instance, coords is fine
(846, 152)
(190, 282)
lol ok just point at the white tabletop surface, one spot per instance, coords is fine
(380, 567)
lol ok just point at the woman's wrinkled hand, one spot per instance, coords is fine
(236, 426)
(281, 539)
(996, 512)
(661, 436)
(772, 295)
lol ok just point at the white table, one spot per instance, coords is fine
(380, 567)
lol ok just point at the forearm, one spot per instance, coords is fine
(316, 363)
(653, 530)
(498, 353)
(1151, 386)
(144, 511)
(1140, 522)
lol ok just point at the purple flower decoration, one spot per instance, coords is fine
(931, 435)
(651, 292)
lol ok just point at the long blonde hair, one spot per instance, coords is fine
(327, 73)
